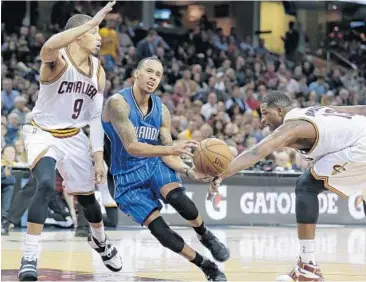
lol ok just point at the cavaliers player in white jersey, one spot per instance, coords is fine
(71, 97)
(334, 140)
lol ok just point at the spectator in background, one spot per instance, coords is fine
(313, 100)
(187, 85)
(20, 109)
(124, 38)
(303, 87)
(236, 99)
(110, 49)
(291, 41)
(319, 86)
(8, 95)
(261, 50)
(251, 99)
(21, 155)
(4, 132)
(335, 81)
(173, 74)
(13, 127)
(292, 85)
(7, 185)
(270, 76)
(210, 107)
(145, 47)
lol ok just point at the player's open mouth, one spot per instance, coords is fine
(151, 84)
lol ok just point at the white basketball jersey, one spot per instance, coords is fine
(335, 130)
(65, 101)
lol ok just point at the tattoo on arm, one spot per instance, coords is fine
(118, 111)
(165, 134)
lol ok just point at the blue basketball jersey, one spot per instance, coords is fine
(135, 169)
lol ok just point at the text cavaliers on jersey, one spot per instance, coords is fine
(70, 100)
(77, 87)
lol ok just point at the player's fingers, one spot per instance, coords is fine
(185, 152)
(191, 144)
(110, 4)
(194, 142)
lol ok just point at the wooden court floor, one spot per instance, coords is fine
(257, 254)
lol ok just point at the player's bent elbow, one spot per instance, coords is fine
(48, 53)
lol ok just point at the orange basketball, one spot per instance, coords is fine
(212, 157)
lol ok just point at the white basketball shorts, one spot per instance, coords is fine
(72, 155)
(344, 172)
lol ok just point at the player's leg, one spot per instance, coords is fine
(45, 174)
(173, 241)
(142, 205)
(77, 172)
(42, 155)
(167, 184)
(307, 212)
(21, 201)
(98, 240)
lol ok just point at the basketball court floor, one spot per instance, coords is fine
(257, 254)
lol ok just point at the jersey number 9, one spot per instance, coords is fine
(77, 108)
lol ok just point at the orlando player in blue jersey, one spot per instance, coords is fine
(145, 165)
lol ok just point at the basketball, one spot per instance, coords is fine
(212, 157)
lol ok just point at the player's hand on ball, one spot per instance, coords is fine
(99, 17)
(198, 176)
(184, 148)
(100, 174)
(214, 187)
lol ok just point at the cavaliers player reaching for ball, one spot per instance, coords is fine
(334, 140)
(144, 163)
(71, 97)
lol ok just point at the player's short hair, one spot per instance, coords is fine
(77, 20)
(277, 99)
(141, 63)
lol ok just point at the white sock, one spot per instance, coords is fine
(98, 233)
(307, 248)
(31, 246)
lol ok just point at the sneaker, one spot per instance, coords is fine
(218, 250)
(212, 271)
(5, 228)
(82, 231)
(28, 270)
(108, 252)
(302, 272)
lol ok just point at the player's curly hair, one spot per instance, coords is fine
(277, 99)
(77, 20)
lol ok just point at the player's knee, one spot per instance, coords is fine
(307, 203)
(179, 200)
(91, 208)
(167, 237)
(47, 186)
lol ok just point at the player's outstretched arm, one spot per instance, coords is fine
(283, 136)
(358, 110)
(175, 162)
(117, 111)
(50, 50)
